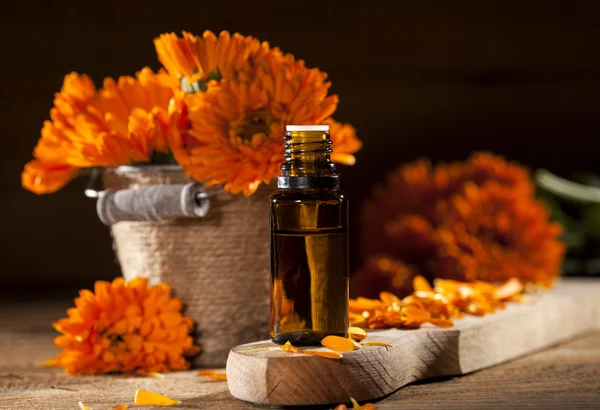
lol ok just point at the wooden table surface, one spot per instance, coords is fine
(565, 376)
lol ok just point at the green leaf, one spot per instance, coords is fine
(591, 219)
(567, 190)
(574, 234)
(200, 85)
(556, 212)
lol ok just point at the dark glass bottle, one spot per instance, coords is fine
(309, 242)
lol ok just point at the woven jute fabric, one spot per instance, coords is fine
(217, 265)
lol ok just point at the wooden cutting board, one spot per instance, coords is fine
(277, 377)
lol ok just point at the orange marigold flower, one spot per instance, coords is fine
(237, 127)
(489, 233)
(136, 108)
(476, 220)
(224, 146)
(124, 327)
(124, 122)
(50, 171)
(43, 177)
(200, 58)
(448, 300)
(241, 94)
(420, 189)
(344, 142)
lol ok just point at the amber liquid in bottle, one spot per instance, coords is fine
(309, 243)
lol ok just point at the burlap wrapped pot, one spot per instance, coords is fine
(217, 265)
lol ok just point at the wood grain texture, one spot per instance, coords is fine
(565, 376)
(276, 377)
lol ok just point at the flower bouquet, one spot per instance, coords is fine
(213, 117)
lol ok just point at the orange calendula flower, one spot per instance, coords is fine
(489, 233)
(344, 142)
(43, 177)
(136, 109)
(476, 220)
(237, 127)
(208, 57)
(124, 327)
(415, 197)
(50, 170)
(438, 305)
(220, 109)
(124, 122)
(225, 147)
(240, 94)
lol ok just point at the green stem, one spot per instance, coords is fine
(567, 189)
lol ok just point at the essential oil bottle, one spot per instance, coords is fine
(309, 242)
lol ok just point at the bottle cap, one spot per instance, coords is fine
(299, 128)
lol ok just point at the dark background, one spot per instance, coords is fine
(437, 79)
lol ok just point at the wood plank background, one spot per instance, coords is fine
(416, 78)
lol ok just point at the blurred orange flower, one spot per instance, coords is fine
(122, 123)
(422, 191)
(124, 327)
(475, 220)
(490, 233)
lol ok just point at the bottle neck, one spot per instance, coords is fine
(307, 164)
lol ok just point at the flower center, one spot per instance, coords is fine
(257, 122)
(115, 339)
